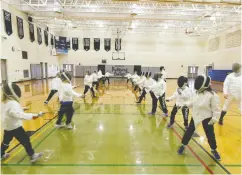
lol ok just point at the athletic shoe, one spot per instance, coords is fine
(35, 157)
(5, 156)
(170, 125)
(46, 102)
(59, 126)
(69, 126)
(181, 149)
(216, 154)
(151, 113)
(220, 122)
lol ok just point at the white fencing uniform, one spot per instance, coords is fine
(55, 83)
(99, 74)
(185, 96)
(128, 76)
(149, 82)
(88, 80)
(95, 78)
(141, 82)
(204, 105)
(232, 87)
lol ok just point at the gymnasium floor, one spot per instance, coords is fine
(113, 135)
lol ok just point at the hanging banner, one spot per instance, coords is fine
(97, 44)
(46, 37)
(86, 44)
(31, 32)
(117, 44)
(52, 40)
(39, 36)
(20, 27)
(107, 44)
(68, 43)
(75, 44)
(8, 22)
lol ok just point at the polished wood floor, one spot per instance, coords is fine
(114, 135)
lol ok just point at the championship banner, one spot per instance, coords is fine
(107, 44)
(68, 43)
(52, 40)
(117, 44)
(75, 44)
(46, 37)
(86, 43)
(39, 36)
(20, 27)
(7, 22)
(31, 32)
(97, 44)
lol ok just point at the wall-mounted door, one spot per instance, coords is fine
(46, 70)
(137, 68)
(69, 68)
(192, 72)
(4, 75)
(36, 71)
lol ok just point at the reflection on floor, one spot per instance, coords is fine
(114, 135)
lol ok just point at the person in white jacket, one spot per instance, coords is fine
(88, 80)
(182, 95)
(128, 76)
(100, 77)
(134, 77)
(140, 82)
(66, 95)
(147, 84)
(205, 105)
(232, 90)
(12, 116)
(95, 80)
(107, 75)
(55, 84)
(157, 92)
(163, 72)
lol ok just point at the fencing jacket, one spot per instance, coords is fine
(94, 76)
(67, 93)
(134, 77)
(55, 83)
(108, 74)
(99, 74)
(158, 88)
(186, 94)
(232, 85)
(204, 105)
(149, 82)
(88, 80)
(13, 114)
(141, 82)
(128, 76)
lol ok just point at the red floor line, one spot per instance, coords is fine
(195, 155)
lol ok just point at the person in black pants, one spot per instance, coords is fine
(12, 122)
(157, 92)
(206, 110)
(182, 95)
(95, 80)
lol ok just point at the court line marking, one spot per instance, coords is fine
(54, 129)
(194, 154)
(216, 161)
(120, 165)
(32, 139)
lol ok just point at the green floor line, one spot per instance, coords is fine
(122, 165)
(39, 143)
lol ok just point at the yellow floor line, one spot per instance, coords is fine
(31, 140)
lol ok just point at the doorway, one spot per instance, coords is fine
(69, 68)
(4, 75)
(36, 71)
(208, 69)
(137, 68)
(46, 71)
(192, 72)
(102, 68)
